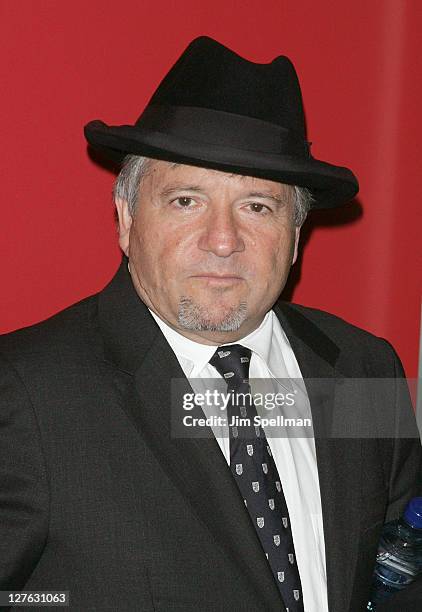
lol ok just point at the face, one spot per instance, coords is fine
(209, 252)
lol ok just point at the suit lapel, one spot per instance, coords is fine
(338, 460)
(134, 343)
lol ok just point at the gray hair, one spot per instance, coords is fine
(135, 168)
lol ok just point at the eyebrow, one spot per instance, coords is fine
(278, 199)
(174, 188)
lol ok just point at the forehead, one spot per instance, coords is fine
(162, 174)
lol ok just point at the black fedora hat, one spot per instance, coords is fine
(218, 110)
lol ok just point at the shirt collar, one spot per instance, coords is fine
(269, 342)
(194, 356)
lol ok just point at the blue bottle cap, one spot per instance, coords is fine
(413, 513)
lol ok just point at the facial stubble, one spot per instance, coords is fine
(194, 317)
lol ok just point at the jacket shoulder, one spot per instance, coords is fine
(65, 332)
(332, 325)
(355, 344)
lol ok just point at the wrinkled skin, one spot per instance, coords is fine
(209, 249)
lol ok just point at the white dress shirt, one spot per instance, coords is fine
(295, 457)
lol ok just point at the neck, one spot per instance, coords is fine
(214, 338)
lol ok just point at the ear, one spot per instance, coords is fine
(297, 234)
(125, 222)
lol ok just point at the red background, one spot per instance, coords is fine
(65, 63)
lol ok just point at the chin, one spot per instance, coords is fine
(197, 316)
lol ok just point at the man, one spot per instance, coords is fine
(99, 496)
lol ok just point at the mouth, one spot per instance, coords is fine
(217, 279)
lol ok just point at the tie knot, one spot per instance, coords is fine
(232, 362)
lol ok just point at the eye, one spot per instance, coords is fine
(184, 201)
(256, 207)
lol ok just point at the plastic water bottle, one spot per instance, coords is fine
(399, 557)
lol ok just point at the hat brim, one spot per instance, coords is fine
(331, 185)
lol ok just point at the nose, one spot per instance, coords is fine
(221, 235)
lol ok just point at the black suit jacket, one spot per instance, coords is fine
(97, 497)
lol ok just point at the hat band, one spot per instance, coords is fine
(215, 127)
